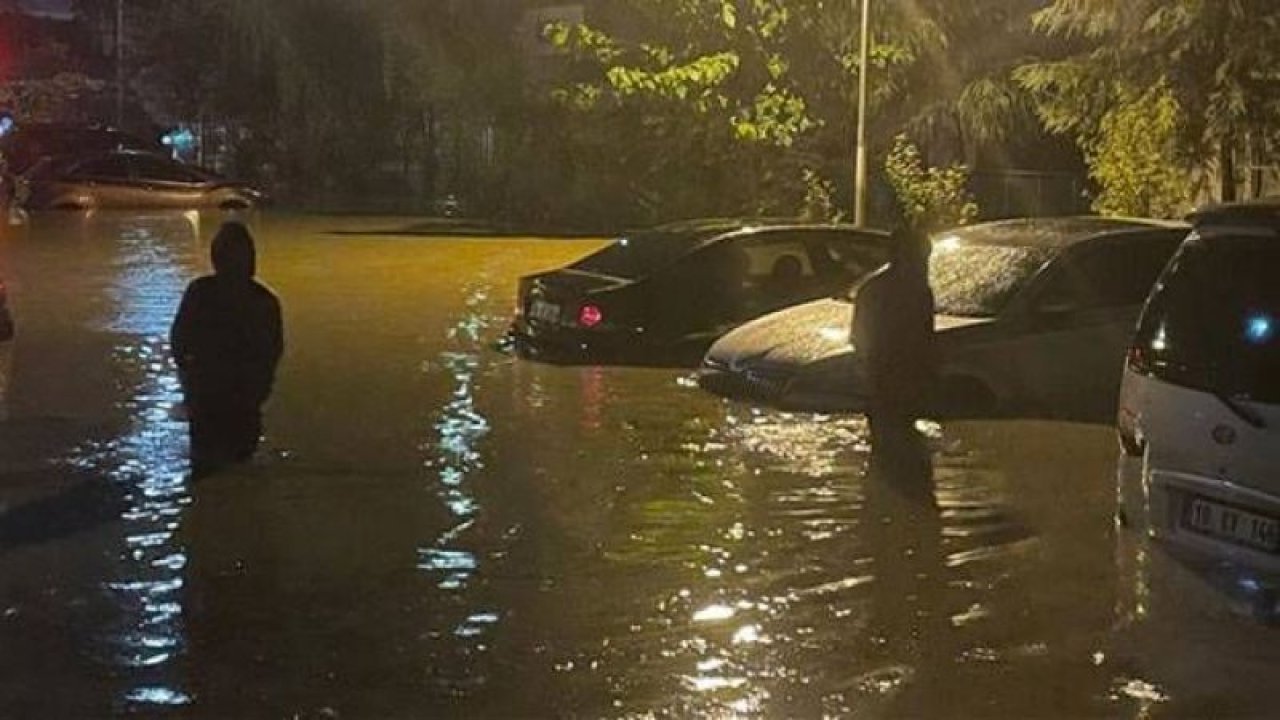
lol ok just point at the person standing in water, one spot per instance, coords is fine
(227, 339)
(893, 334)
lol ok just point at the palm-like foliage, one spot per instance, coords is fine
(959, 80)
(1218, 59)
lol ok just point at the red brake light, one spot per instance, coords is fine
(590, 316)
(1137, 361)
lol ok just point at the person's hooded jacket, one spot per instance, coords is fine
(893, 328)
(227, 337)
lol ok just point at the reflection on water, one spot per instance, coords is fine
(486, 537)
(455, 458)
(147, 459)
(832, 552)
(150, 461)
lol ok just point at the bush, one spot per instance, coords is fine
(928, 197)
(1134, 159)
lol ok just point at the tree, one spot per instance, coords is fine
(41, 79)
(928, 197)
(331, 96)
(729, 105)
(703, 93)
(1217, 60)
(1134, 158)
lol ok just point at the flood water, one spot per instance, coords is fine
(436, 529)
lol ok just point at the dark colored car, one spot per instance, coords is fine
(29, 143)
(1032, 317)
(131, 179)
(663, 295)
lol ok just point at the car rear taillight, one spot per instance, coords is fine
(1138, 361)
(590, 316)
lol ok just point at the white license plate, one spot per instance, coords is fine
(1232, 524)
(544, 311)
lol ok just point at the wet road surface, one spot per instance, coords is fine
(436, 529)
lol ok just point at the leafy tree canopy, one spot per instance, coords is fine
(726, 104)
(1215, 59)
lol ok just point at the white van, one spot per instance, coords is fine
(1200, 396)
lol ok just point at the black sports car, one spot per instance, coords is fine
(663, 295)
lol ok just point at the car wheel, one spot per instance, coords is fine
(967, 397)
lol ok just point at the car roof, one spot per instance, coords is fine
(702, 232)
(64, 160)
(61, 164)
(1054, 232)
(708, 227)
(1262, 211)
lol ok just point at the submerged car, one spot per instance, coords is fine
(131, 179)
(28, 143)
(663, 295)
(1032, 316)
(1200, 399)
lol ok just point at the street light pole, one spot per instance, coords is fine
(860, 162)
(119, 63)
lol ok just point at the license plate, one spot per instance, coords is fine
(544, 311)
(1232, 524)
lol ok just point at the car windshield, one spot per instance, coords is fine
(974, 280)
(1213, 319)
(638, 255)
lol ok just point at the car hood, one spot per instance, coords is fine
(802, 335)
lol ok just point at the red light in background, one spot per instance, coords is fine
(590, 316)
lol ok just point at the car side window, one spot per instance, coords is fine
(848, 254)
(112, 166)
(748, 275)
(146, 167)
(776, 257)
(1110, 275)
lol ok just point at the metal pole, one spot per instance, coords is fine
(119, 63)
(860, 166)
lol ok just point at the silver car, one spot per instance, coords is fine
(1033, 316)
(131, 179)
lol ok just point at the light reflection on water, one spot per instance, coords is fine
(590, 541)
(455, 456)
(790, 550)
(148, 460)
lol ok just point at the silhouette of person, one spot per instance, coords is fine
(227, 339)
(893, 334)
